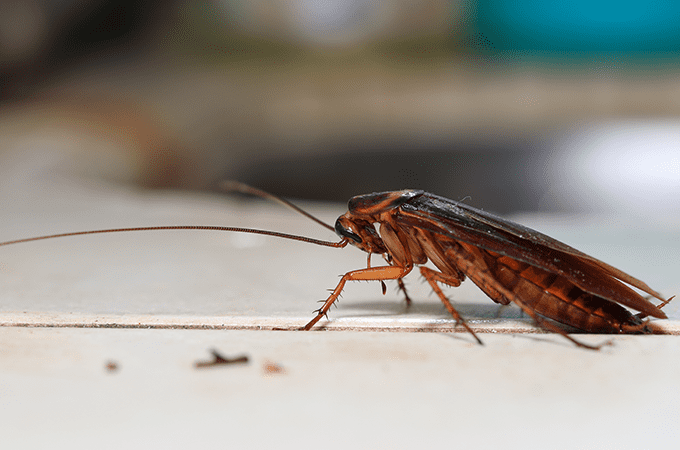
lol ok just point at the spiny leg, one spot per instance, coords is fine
(369, 274)
(645, 325)
(433, 277)
(402, 288)
(664, 303)
(544, 323)
(480, 275)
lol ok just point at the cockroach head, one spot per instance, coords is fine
(360, 233)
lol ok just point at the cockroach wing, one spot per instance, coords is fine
(455, 220)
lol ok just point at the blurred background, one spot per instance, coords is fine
(513, 105)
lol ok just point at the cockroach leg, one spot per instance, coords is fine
(400, 282)
(402, 288)
(646, 326)
(368, 274)
(545, 324)
(483, 276)
(433, 277)
(663, 303)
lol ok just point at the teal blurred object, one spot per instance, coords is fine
(581, 25)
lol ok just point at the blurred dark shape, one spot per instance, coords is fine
(39, 39)
(490, 178)
(105, 24)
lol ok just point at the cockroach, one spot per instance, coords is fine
(509, 262)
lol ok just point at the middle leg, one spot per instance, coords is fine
(433, 277)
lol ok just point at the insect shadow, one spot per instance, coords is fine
(471, 311)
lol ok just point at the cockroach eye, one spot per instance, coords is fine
(344, 232)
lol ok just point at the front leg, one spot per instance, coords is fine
(400, 281)
(369, 274)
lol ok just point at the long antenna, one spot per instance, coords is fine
(229, 186)
(294, 237)
(237, 186)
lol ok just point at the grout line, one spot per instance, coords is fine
(501, 326)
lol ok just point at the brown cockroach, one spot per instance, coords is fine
(509, 262)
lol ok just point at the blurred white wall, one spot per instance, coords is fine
(630, 166)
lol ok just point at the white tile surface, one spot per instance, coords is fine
(345, 389)
(338, 390)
